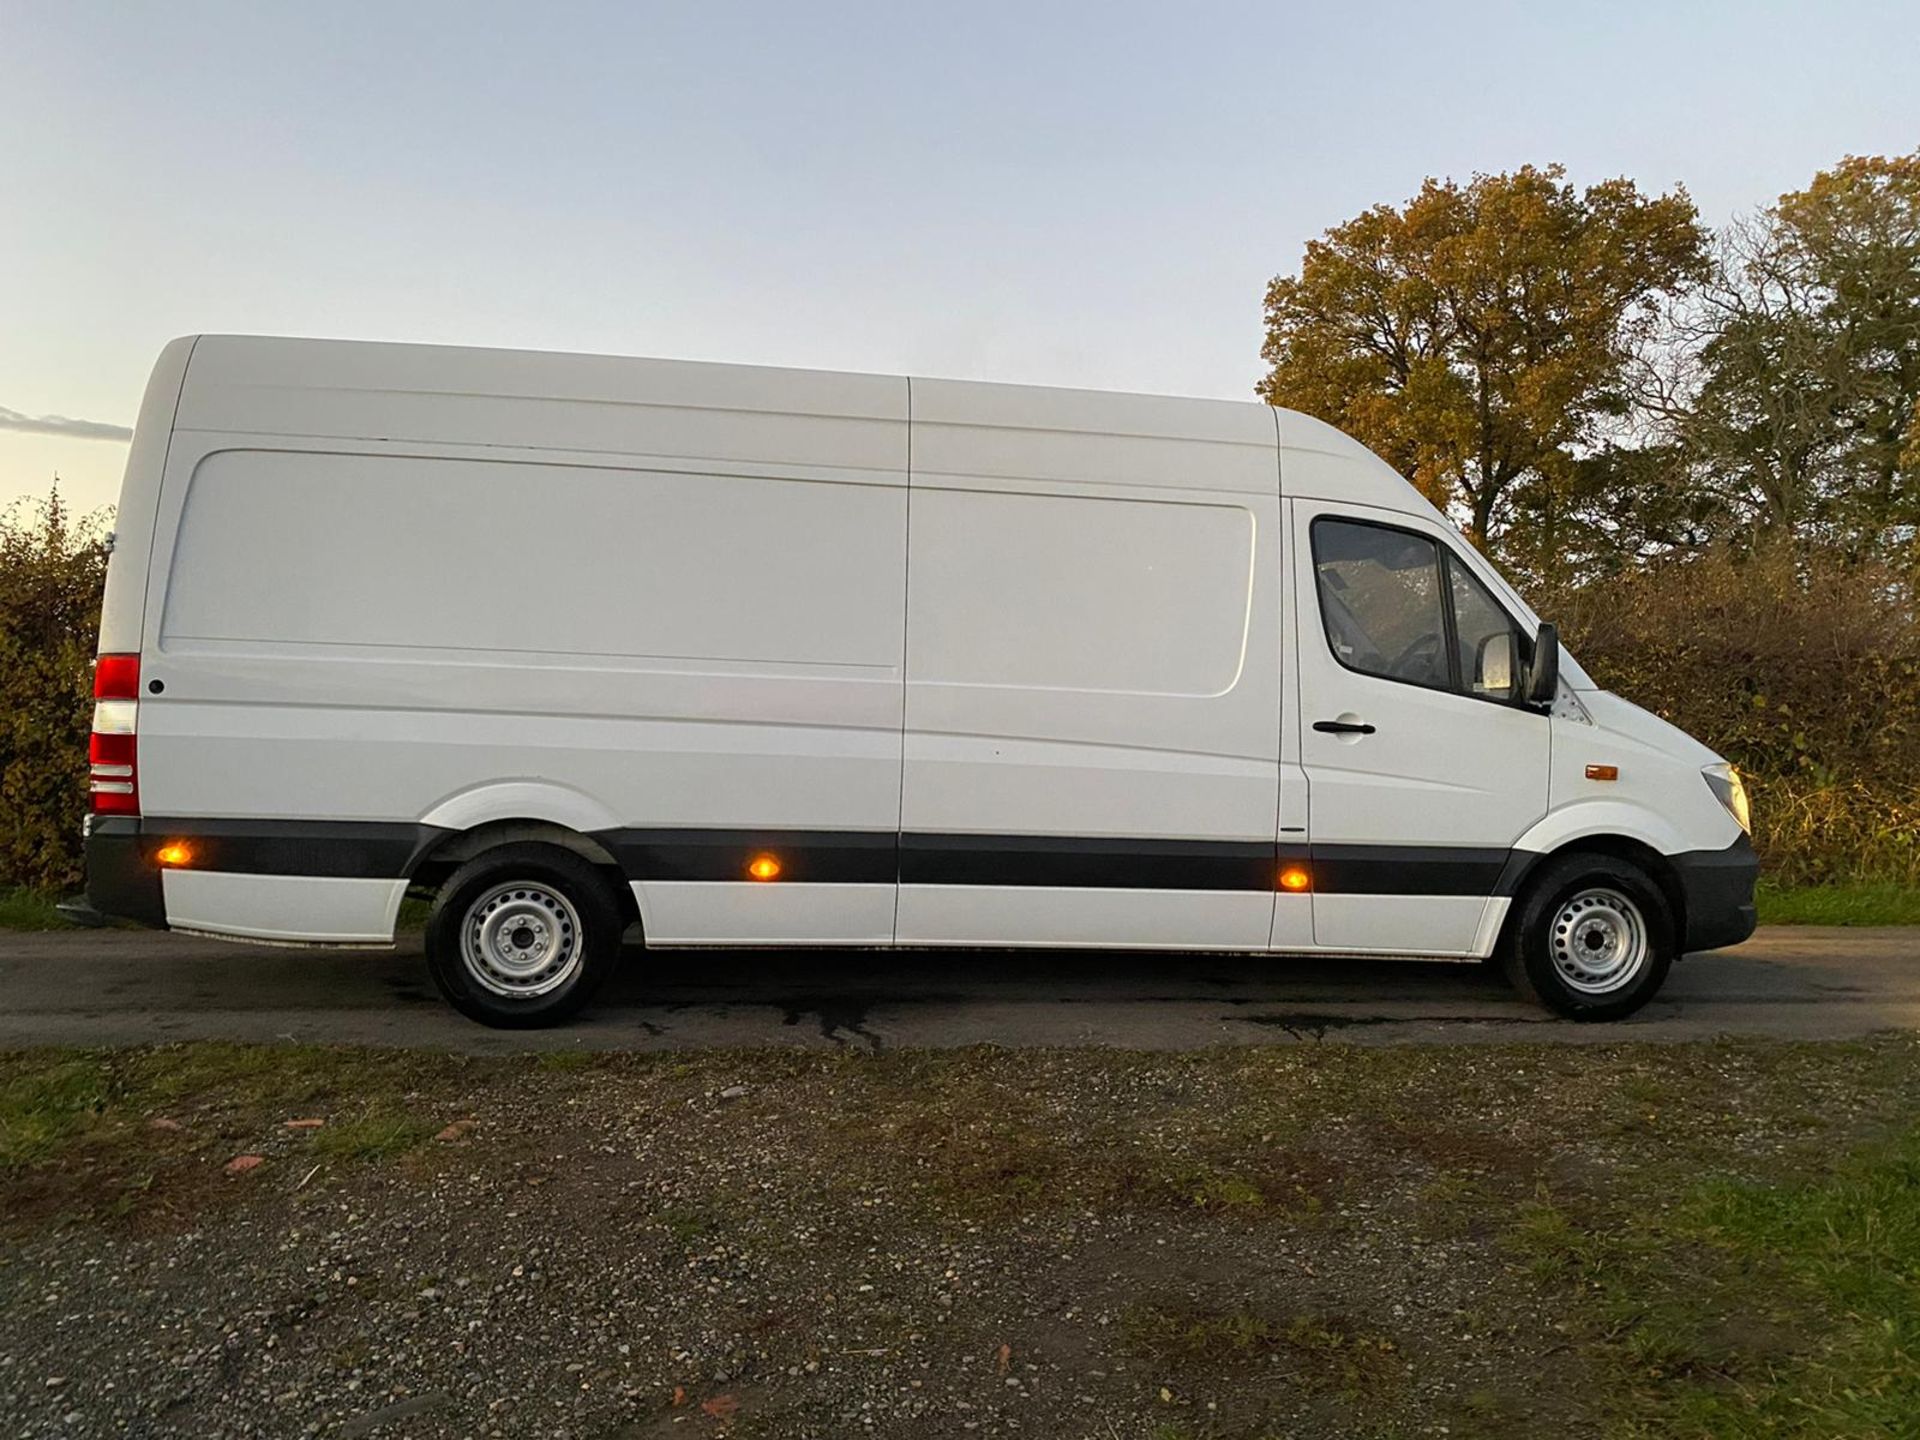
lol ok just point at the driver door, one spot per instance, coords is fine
(1421, 770)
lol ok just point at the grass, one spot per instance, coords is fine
(1844, 1246)
(1327, 1349)
(379, 1134)
(562, 1061)
(88, 1134)
(1744, 1307)
(23, 909)
(685, 1224)
(44, 1107)
(1856, 904)
(992, 1152)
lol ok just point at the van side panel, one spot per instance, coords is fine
(399, 583)
(1092, 666)
(483, 558)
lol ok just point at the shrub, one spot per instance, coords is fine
(52, 567)
(1801, 669)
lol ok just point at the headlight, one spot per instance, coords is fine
(1725, 783)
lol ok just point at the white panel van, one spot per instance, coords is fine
(775, 657)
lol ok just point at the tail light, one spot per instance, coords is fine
(115, 783)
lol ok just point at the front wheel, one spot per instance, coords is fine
(1593, 939)
(523, 936)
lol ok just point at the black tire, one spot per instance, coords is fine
(560, 909)
(1574, 910)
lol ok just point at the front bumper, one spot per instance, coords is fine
(1716, 889)
(122, 879)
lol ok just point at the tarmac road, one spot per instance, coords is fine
(126, 987)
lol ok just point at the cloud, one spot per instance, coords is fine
(61, 425)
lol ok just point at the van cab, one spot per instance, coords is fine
(747, 656)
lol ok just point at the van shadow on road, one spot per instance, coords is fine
(1034, 997)
(134, 987)
(838, 991)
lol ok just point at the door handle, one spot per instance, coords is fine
(1342, 727)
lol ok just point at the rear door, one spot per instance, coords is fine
(1422, 767)
(1092, 671)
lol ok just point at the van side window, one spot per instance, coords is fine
(1489, 645)
(1381, 601)
(1403, 606)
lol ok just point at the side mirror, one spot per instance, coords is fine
(1543, 676)
(1496, 664)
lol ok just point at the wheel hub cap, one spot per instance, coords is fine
(521, 940)
(1599, 942)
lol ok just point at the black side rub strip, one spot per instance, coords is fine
(1059, 860)
(881, 857)
(818, 857)
(124, 879)
(335, 849)
(1407, 870)
(384, 850)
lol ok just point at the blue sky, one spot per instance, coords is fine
(1058, 193)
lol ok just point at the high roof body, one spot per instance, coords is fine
(617, 406)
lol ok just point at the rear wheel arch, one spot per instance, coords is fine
(438, 862)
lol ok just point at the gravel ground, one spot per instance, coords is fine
(1230, 1244)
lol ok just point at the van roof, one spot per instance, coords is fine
(374, 390)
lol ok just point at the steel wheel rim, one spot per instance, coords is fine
(1599, 942)
(521, 940)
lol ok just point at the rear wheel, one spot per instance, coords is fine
(523, 936)
(1593, 939)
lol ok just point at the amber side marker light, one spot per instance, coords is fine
(764, 867)
(1603, 772)
(1295, 879)
(175, 853)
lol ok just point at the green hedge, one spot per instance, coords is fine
(52, 566)
(1801, 668)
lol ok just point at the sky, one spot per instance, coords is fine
(1075, 194)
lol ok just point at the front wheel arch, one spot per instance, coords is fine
(1657, 867)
